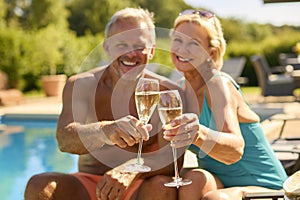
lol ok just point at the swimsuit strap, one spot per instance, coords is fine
(221, 74)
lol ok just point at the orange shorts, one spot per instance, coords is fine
(90, 181)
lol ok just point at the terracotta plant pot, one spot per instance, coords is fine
(53, 84)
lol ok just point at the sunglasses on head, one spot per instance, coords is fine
(201, 13)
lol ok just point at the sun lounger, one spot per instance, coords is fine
(290, 191)
(8, 96)
(234, 67)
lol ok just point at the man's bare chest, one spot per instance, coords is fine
(111, 106)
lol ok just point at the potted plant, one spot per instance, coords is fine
(51, 43)
(53, 84)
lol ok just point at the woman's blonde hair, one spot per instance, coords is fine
(214, 29)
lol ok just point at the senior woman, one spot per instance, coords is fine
(233, 154)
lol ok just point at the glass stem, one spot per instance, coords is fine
(139, 155)
(174, 150)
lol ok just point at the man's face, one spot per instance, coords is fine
(129, 45)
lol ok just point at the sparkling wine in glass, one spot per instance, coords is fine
(170, 107)
(146, 99)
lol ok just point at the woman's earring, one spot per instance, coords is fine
(208, 60)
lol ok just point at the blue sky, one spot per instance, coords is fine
(253, 10)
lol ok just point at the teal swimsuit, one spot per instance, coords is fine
(258, 165)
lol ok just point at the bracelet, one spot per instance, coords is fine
(209, 142)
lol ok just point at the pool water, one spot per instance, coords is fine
(27, 147)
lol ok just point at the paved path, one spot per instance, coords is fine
(41, 105)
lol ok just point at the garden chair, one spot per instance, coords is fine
(271, 83)
(289, 59)
(234, 67)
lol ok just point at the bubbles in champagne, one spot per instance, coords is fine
(145, 104)
(168, 114)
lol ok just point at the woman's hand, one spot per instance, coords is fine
(182, 130)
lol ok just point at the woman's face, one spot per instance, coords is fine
(190, 46)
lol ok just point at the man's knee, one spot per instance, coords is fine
(38, 180)
(50, 185)
(40, 186)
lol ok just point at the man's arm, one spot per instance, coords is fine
(76, 136)
(71, 122)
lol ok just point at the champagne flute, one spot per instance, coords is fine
(170, 107)
(146, 99)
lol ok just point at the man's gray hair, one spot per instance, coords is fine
(136, 13)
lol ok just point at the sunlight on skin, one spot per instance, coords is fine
(48, 191)
(224, 196)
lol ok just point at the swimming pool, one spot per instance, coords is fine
(27, 147)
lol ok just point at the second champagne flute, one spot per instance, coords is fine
(170, 107)
(146, 99)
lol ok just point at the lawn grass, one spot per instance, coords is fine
(34, 94)
(250, 90)
(256, 91)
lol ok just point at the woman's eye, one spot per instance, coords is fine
(195, 43)
(176, 40)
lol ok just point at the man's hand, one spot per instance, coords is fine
(113, 184)
(125, 131)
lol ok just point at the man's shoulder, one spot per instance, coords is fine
(88, 76)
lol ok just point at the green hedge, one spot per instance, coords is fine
(11, 54)
(270, 47)
(25, 56)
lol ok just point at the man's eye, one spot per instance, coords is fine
(139, 48)
(121, 46)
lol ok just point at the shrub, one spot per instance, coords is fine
(11, 54)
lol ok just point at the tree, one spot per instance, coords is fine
(2, 12)
(90, 16)
(165, 11)
(42, 13)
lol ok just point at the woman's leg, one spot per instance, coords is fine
(153, 188)
(233, 193)
(202, 182)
